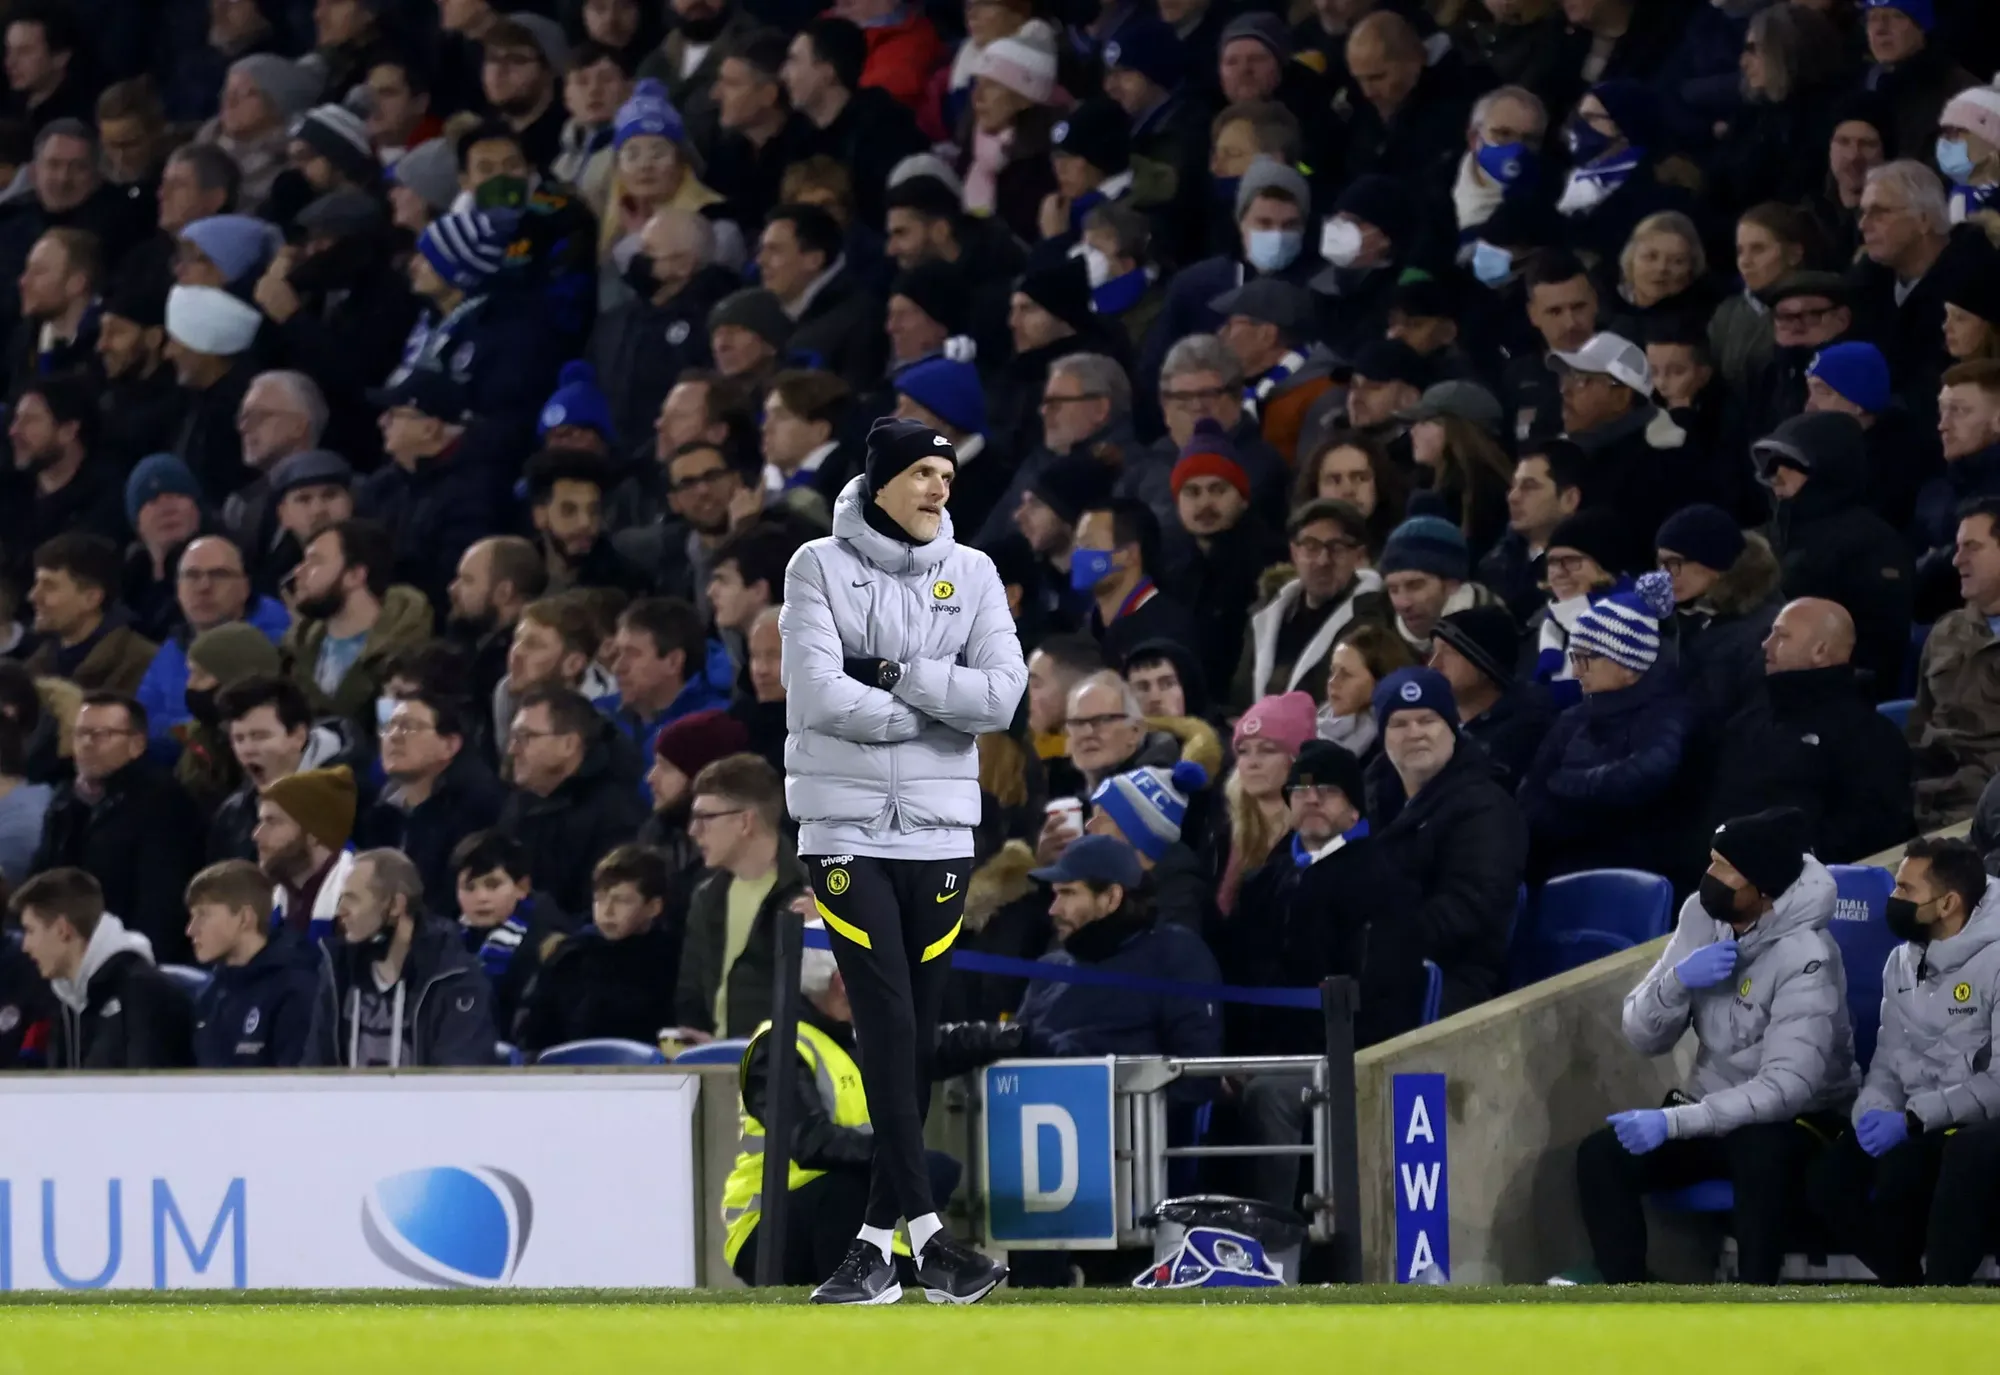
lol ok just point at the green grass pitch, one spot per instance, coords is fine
(1108, 1332)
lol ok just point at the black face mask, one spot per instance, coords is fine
(639, 276)
(1901, 914)
(1718, 899)
(201, 706)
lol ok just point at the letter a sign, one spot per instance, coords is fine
(1421, 1165)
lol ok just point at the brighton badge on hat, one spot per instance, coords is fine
(1061, 133)
(1110, 54)
(1410, 692)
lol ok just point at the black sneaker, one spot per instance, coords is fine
(863, 1276)
(952, 1272)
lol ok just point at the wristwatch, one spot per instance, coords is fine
(888, 675)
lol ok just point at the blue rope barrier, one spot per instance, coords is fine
(972, 962)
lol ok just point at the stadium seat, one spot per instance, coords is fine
(190, 979)
(1919, 633)
(505, 1053)
(602, 1051)
(1898, 711)
(1862, 933)
(714, 1053)
(1433, 993)
(1582, 917)
(1709, 1196)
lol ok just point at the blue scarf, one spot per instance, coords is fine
(1257, 388)
(1302, 857)
(1967, 201)
(1121, 293)
(502, 943)
(1604, 176)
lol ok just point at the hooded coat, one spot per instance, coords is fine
(449, 1022)
(119, 1012)
(592, 812)
(405, 623)
(141, 840)
(1773, 1041)
(1720, 634)
(1934, 1055)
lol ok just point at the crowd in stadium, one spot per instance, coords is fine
(1428, 446)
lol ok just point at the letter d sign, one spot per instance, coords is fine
(1034, 1198)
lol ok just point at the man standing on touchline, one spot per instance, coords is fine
(899, 651)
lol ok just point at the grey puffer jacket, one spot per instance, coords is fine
(1774, 1038)
(906, 760)
(1940, 1003)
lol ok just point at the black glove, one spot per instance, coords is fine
(965, 1046)
(867, 671)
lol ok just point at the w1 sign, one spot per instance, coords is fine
(1421, 1163)
(1050, 1169)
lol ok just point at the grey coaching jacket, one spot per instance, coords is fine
(1939, 1004)
(906, 760)
(1774, 1039)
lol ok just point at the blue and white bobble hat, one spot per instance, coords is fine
(1150, 804)
(1625, 627)
(648, 113)
(468, 247)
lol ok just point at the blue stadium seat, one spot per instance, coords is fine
(1898, 711)
(1582, 917)
(505, 1053)
(714, 1053)
(1433, 993)
(1862, 934)
(602, 1051)
(1919, 633)
(1709, 1196)
(190, 979)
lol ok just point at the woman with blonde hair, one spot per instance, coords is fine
(1663, 272)
(1368, 654)
(1356, 469)
(649, 166)
(1267, 739)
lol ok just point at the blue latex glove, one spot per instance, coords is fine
(1641, 1131)
(1708, 966)
(1881, 1131)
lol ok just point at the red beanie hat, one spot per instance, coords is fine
(700, 738)
(1209, 453)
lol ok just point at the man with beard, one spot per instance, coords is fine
(309, 492)
(64, 190)
(59, 308)
(56, 485)
(436, 495)
(519, 79)
(140, 402)
(566, 503)
(304, 822)
(351, 619)
(496, 578)
(212, 588)
(209, 338)
(642, 347)
(341, 308)
(705, 490)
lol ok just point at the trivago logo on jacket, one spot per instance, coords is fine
(462, 1228)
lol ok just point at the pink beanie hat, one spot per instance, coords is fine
(1024, 62)
(1977, 111)
(1289, 720)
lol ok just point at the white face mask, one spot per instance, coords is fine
(1098, 264)
(1340, 242)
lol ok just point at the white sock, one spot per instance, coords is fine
(922, 1229)
(881, 1238)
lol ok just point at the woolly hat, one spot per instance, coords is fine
(1391, 360)
(1266, 173)
(1148, 805)
(700, 738)
(1455, 399)
(1024, 62)
(468, 247)
(240, 246)
(1625, 626)
(548, 36)
(343, 214)
(1265, 28)
(232, 652)
(289, 86)
(1289, 720)
(1323, 764)
(949, 390)
(1062, 289)
(895, 445)
(1427, 544)
(322, 801)
(648, 113)
(1381, 201)
(340, 136)
(138, 296)
(209, 320)
(1635, 109)
(1414, 689)
(1071, 485)
(927, 165)
(1974, 287)
(756, 309)
(158, 476)
(1210, 453)
(1922, 12)
(938, 289)
(430, 170)
(1857, 371)
(1768, 848)
(1872, 108)
(1486, 637)
(1703, 534)
(1599, 532)
(1150, 47)
(1097, 131)
(579, 401)
(1975, 110)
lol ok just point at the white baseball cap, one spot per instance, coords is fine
(1613, 356)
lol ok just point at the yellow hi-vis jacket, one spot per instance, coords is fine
(839, 1082)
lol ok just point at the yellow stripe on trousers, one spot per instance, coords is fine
(848, 928)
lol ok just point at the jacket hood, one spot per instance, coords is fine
(1746, 584)
(1646, 419)
(109, 939)
(851, 527)
(1949, 955)
(1835, 451)
(331, 739)
(405, 619)
(1199, 742)
(998, 882)
(1805, 906)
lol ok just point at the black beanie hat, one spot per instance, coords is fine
(894, 445)
(1099, 132)
(1323, 764)
(938, 289)
(1768, 848)
(1487, 638)
(1062, 289)
(1598, 532)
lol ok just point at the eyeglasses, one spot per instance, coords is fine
(1672, 564)
(1566, 563)
(513, 59)
(1049, 403)
(399, 729)
(1085, 725)
(703, 818)
(1581, 659)
(1805, 315)
(1193, 397)
(209, 577)
(688, 484)
(1323, 548)
(1313, 792)
(523, 735)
